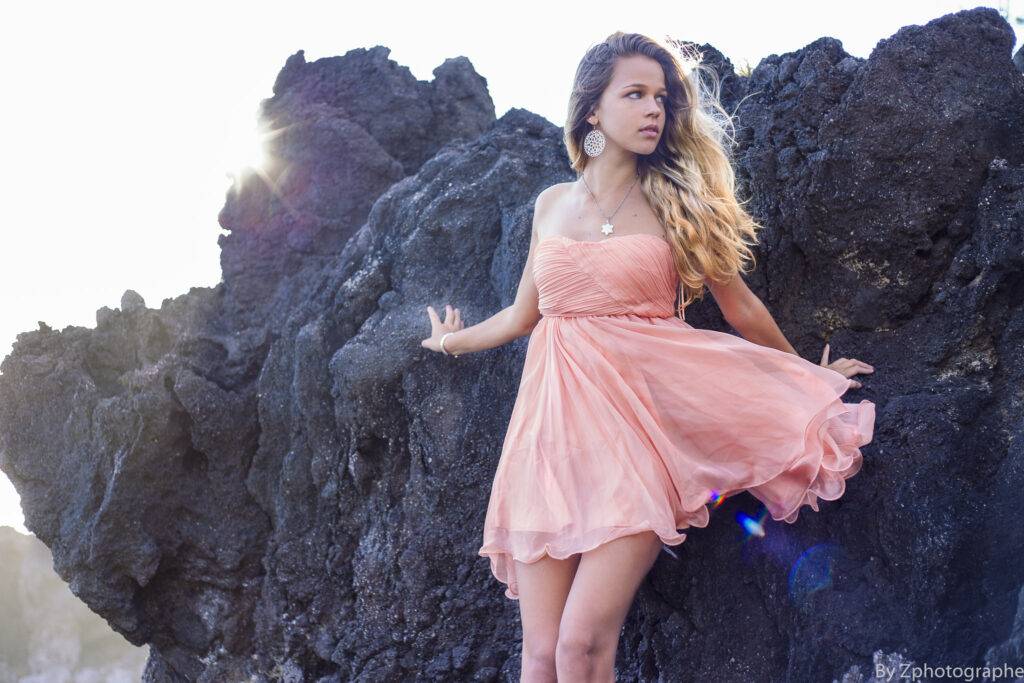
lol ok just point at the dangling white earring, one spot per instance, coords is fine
(593, 143)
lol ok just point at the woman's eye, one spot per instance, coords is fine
(637, 92)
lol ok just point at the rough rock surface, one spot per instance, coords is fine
(271, 478)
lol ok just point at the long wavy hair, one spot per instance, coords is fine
(688, 179)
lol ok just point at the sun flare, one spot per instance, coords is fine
(247, 150)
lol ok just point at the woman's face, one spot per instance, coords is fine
(634, 99)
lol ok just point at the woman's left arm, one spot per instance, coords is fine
(748, 315)
(758, 326)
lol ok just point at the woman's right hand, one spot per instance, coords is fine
(452, 323)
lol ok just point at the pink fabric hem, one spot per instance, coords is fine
(841, 428)
(832, 441)
(836, 470)
(503, 562)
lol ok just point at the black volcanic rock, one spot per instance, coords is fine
(272, 479)
(339, 132)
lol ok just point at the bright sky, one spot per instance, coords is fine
(123, 119)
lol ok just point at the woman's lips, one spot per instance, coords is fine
(648, 132)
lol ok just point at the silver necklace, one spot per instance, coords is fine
(608, 228)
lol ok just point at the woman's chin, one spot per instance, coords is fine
(646, 148)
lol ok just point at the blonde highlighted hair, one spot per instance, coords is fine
(689, 179)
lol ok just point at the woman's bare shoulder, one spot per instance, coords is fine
(552, 193)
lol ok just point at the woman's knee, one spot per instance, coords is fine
(583, 649)
(538, 663)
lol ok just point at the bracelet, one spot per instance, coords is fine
(445, 351)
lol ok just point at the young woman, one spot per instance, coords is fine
(629, 420)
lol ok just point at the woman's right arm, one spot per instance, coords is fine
(513, 321)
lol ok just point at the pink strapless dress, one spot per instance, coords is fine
(627, 417)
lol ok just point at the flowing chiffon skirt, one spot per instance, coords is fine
(628, 418)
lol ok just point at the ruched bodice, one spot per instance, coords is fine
(630, 420)
(629, 274)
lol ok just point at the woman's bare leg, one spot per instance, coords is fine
(602, 592)
(543, 588)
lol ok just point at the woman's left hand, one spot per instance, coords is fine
(848, 367)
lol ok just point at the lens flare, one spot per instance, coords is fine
(716, 498)
(812, 571)
(248, 150)
(752, 526)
